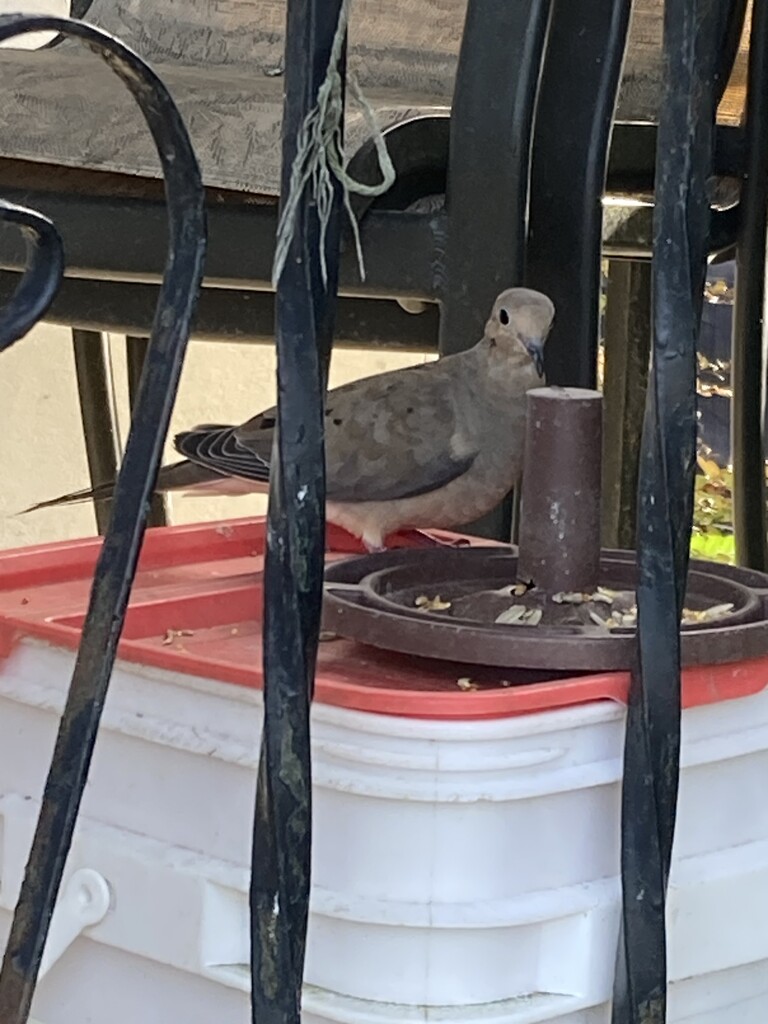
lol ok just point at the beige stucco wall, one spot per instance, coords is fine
(41, 439)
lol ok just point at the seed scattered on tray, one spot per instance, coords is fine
(622, 619)
(326, 635)
(466, 684)
(431, 604)
(690, 617)
(720, 609)
(597, 619)
(173, 634)
(570, 597)
(518, 589)
(519, 615)
(600, 596)
(511, 615)
(706, 614)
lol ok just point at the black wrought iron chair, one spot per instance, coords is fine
(418, 62)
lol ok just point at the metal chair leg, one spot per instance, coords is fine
(747, 368)
(625, 382)
(136, 353)
(96, 414)
(490, 135)
(577, 95)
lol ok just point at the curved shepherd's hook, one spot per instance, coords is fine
(116, 566)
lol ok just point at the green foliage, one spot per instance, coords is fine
(713, 514)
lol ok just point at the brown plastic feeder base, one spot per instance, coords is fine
(373, 600)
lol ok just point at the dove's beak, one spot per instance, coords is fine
(535, 349)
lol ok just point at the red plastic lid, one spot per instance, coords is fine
(196, 610)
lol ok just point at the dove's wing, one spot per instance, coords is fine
(392, 436)
(395, 436)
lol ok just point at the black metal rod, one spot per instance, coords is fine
(293, 570)
(628, 332)
(43, 261)
(488, 167)
(747, 369)
(96, 415)
(628, 231)
(116, 566)
(692, 32)
(489, 160)
(245, 317)
(136, 351)
(403, 249)
(577, 98)
(632, 155)
(387, 235)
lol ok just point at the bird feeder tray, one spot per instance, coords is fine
(444, 604)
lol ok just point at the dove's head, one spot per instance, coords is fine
(520, 322)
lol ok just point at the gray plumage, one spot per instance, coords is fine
(434, 445)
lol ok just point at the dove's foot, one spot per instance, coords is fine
(340, 539)
(420, 539)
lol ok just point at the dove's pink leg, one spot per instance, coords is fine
(339, 539)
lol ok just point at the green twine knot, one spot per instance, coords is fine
(319, 157)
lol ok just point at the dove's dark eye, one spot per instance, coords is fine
(503, 317)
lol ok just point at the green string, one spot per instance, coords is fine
(320, 157)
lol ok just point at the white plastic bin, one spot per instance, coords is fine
(464, 871)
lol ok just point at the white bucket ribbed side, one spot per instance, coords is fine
(464, 872)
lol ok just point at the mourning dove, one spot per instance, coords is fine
(435, 445)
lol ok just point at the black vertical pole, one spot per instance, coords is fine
(627, 354)
(293, 574)
(692, 33)
(579, 85)
(747, 369)
(488, 167)
(96, 414)
(136, 350)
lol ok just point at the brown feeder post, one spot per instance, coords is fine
(560, 516)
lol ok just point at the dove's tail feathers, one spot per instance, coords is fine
(222, 452)
(73, 498)
(177, 477)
